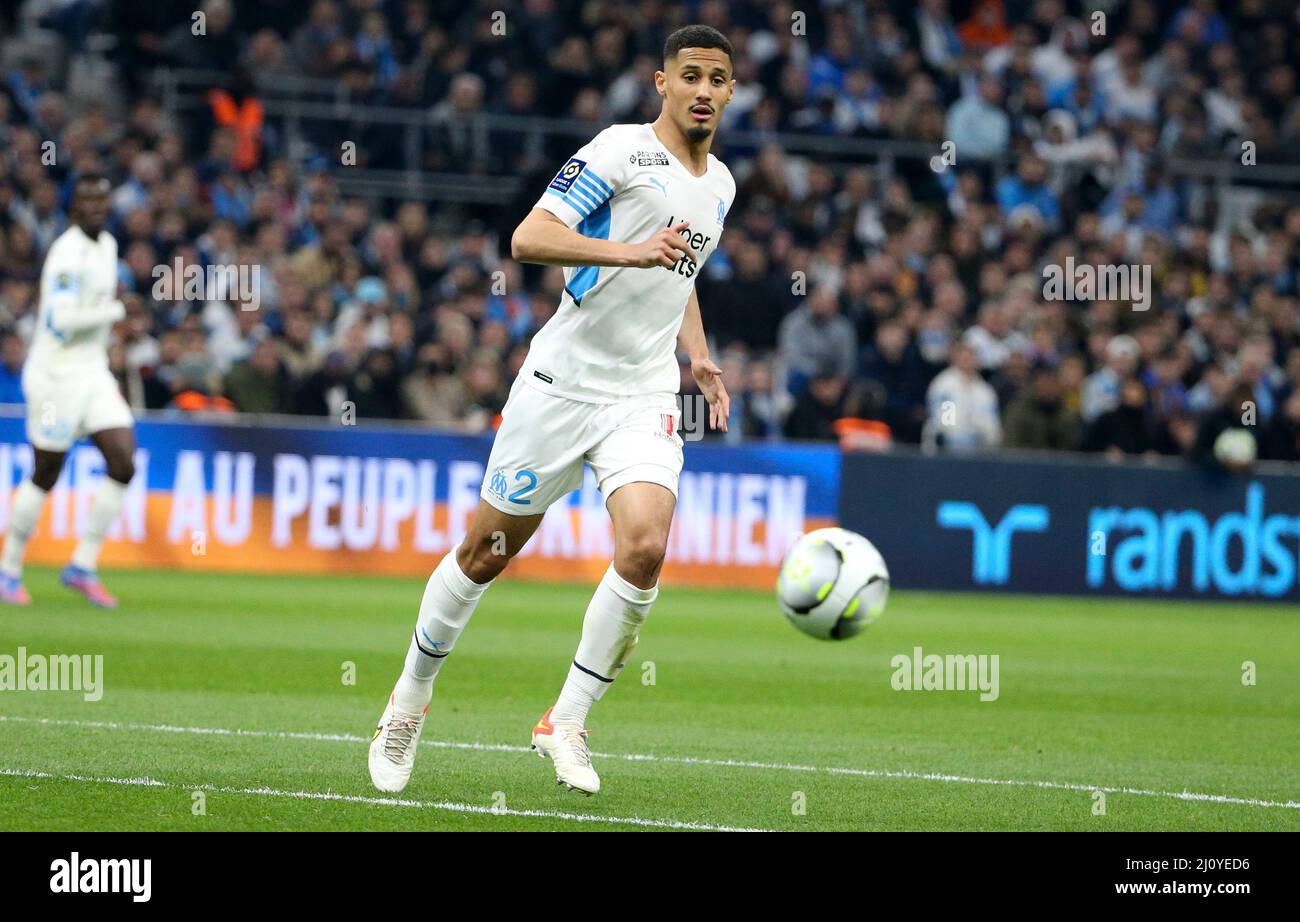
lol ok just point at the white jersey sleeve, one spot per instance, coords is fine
(586, 184)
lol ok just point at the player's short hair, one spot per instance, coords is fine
(91, 178)
(695, 37)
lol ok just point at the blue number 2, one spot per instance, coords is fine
(517, 496)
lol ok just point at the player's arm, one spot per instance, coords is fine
(70, 318)
(579, 198)
(707, 375)
(543, 238)
(66, 315)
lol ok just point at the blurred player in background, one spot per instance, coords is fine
(632, 217)
(71, 393)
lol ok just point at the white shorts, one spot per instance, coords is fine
(61, 410)
(544, 439)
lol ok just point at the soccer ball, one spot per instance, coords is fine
(833, 583)
(1236, 449)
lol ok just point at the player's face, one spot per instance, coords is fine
(696, 87)
(92, 206)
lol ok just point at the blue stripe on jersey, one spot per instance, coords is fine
(590, 190)
(586, 194)
(596, 189)
(596, 226)
(601, 186)
(580, 208)
(563, 199)
(49, 325)
(582, 199)
(593, 186)
(583, 206)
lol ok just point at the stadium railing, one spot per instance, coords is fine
(292, 100)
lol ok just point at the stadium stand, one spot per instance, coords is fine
(907, 172)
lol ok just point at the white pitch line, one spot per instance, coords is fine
(899, 775)
(449, 806)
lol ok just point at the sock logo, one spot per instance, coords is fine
(543, 726)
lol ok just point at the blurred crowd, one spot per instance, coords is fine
(913, 296)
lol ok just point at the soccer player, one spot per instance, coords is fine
(632, 216)
(70, 393)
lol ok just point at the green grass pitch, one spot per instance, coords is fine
(234, 686)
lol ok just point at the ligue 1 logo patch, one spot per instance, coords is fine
(568, 173)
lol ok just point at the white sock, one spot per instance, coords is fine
(103, 510)
(450, 597)
(609, 632)
(23, 515)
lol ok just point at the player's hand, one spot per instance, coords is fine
(709, 377)
(665, 248)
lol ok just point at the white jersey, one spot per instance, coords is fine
(615, 333)
(78, 305)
